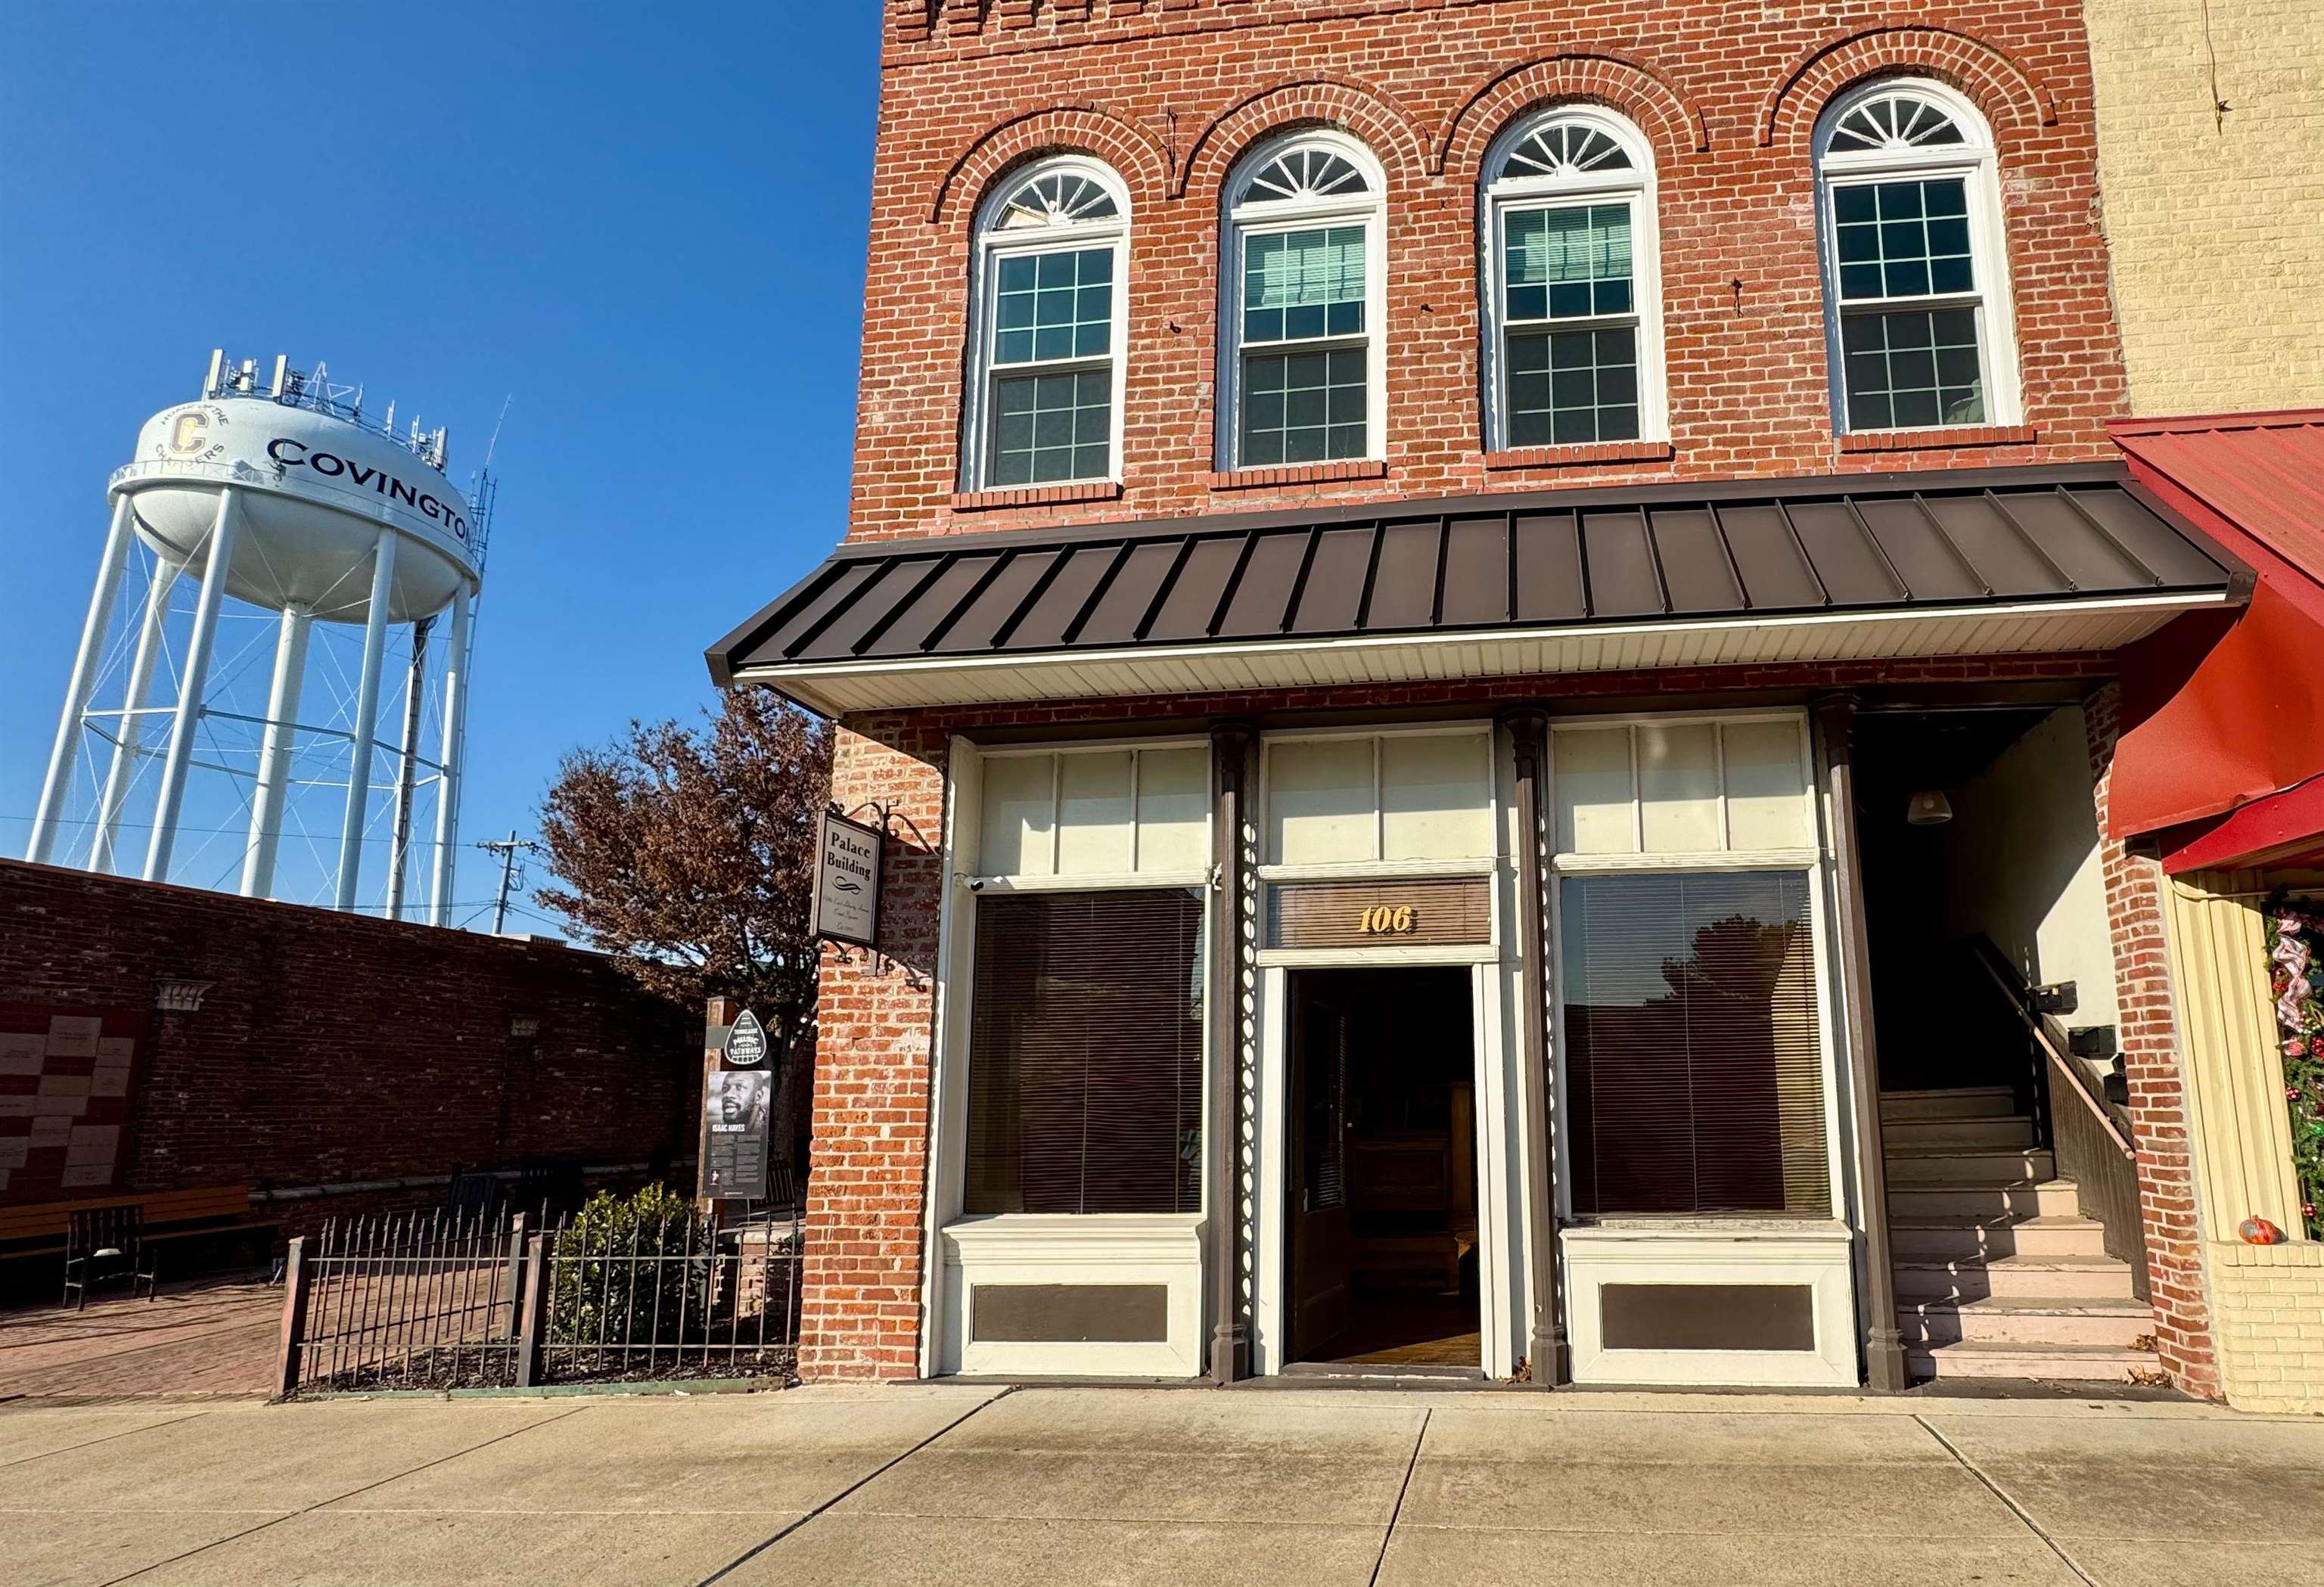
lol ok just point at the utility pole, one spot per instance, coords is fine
(507, 848)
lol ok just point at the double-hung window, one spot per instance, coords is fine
(1045, 403)
(1302, 358)
(1573, 351)
(1917, 286)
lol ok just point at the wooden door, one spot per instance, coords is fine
(1323, 1246)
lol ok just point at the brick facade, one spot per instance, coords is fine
(332, 1050)
(1170, 95)
(2149, 1037)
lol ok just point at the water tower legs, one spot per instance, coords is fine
(273, 786)
(365, 726)
(129, 741)
(407, 768)
(448, 784)
(183, 722)
(66, 754)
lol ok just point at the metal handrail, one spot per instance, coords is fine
(2020, 999)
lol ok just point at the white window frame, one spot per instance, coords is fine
(962, 1250)
(1501, 197)
(1247, 218)
(993, 245)
(1812, 860)
(1974, 161)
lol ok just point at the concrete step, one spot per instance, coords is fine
(2114, 1324)
(1933, 1135)
(1961, 1239)
(2098, 1278)
(1949, 1166)
(1995, 1198)
(1977, 1102)
(2073, 1363)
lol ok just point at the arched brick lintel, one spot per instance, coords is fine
(1385, 126)
(1135, 153)
(2010, 96)
(1675, 127)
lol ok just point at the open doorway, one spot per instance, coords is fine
(1381, 1264)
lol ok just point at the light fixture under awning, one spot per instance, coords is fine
(1866, 567)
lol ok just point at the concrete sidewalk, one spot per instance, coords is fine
(962, 1486)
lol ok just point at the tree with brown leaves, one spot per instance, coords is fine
(689, 855)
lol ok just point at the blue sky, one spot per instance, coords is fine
(646, 226)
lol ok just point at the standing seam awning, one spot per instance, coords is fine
(1558, 581)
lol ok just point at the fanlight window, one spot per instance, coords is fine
(1564, 148)
(1058, 199)
(1915, 279)
(1573, 344)
(1044, 405)
(1894, 122)
(1303, 268)
(1305, 173)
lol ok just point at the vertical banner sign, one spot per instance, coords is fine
(848, 882)
(737, 1102)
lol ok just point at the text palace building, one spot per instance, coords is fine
(1487, 633)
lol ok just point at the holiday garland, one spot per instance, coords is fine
(2295, 934)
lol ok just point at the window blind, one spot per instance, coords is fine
(1086, 1053)
(1694, 1069)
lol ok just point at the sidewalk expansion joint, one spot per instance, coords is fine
(336, 1497)
(760, 1548)
(1402, 1487)
(2015, 1508)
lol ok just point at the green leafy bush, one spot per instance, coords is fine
(629, 1271)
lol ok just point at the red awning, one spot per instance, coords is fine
(2223, 732)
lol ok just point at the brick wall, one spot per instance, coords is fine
(2213, 216)
(334, 1049)
(2271, 1305)
(2149, 1036)
(1169, 93)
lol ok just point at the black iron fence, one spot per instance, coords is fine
(619, 1292)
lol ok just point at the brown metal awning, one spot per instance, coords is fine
(1982, 562)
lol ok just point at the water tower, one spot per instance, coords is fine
(273, 515)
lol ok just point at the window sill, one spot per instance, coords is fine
(1039, 496)
(1579, 457)
(1245, 479)
(1941, 439)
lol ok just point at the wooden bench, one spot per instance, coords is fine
(37, 1229)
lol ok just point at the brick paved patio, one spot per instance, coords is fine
(209, 1338)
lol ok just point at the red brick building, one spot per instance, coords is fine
(1486, 631)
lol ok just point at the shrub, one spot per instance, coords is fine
(629, 1271)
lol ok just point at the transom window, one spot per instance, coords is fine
(1916, 283)
(1302, 364)
(1044, 405)
(1573, 341)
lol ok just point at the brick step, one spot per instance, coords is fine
(1977, 1102)
(1995, 1198)
(2098, 1278)
(2117, 1324)
(2072, 1363)
(1932, 1135)
(1963, 1238)
(1949, 1166)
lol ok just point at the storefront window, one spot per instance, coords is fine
(1693, 1059)
(1086, 1053)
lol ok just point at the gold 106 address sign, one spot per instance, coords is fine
(1440, 912)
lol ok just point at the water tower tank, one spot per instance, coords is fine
(275, 490)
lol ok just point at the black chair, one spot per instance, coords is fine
(103, 1244)
(549, 1186)
(471, 1197)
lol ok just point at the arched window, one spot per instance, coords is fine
(1044, 403)
(1572, 289)
(1915, 277)
(1304, 277)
